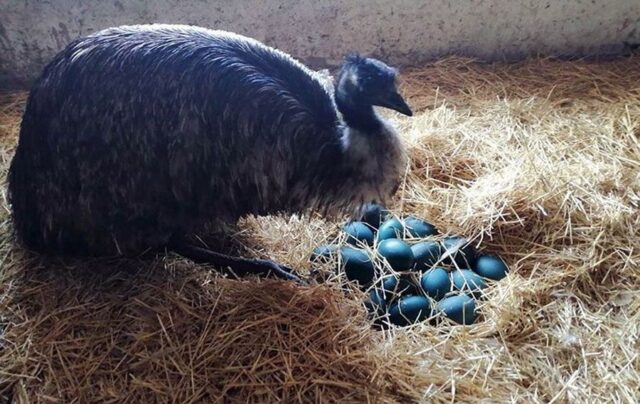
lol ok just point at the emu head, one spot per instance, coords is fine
(364, 82)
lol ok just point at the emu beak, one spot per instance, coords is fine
(394, 101)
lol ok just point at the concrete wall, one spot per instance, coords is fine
(321, 31)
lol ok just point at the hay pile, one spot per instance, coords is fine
(538, 162)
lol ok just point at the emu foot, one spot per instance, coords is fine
(236, 266)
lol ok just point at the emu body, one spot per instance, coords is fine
(136, 135)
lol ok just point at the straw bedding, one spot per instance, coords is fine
(537, 161)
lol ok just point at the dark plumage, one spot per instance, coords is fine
(136, 136)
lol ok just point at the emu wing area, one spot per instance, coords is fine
(133, 135)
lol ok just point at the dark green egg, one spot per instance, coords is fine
(467, 280)
(426, 254)
(323, 253)
(419, 228)
(410, 310)
(397, 253)
(357, 265)
(388, 290)
(460, 308)
(436, 283)
(377, 301)
(491, 266)
(397, 286)
(460, 250)
(373, 214)
(392, 228)
(358, 232)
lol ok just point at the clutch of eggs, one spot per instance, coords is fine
(411, 272)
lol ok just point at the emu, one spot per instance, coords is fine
(135, 137)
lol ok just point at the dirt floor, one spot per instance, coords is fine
(537, 161)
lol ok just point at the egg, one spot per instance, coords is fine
(459, 250)
(426, 254)
(396, 286)
(323, 253)
(397, 253)
(409, 310)
(419, 228)
(373, 214)
(386, 292)
(392, 228)
(467, 280)
(436, 283)
(377, 301)
(491, 266)
(357, 265)
(460, 308)
(358, 232)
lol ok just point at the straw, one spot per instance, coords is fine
(538, 162)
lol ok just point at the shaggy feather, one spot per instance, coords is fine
(137, 134)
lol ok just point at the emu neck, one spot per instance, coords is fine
(358, 116)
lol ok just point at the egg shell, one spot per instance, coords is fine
(426, 254)
(410, 310)
(491, 266)
(459, 250)
(418, 228)
(357, 265)
(397, 253)
(323, 253)
(392, 228)
(394, 287)
(467, 280)
(373, 214)
(460, 308)
(436, 283)
(377, 301)
(358, 232)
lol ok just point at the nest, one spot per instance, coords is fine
(537, 162)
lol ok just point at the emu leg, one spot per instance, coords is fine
(237, 266)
